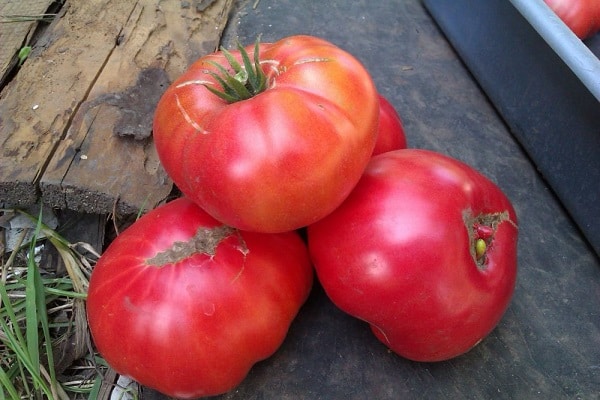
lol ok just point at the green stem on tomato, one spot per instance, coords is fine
(246, 81)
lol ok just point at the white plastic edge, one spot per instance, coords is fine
(578, 57)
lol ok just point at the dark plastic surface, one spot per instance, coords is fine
(550, 111)
(547, 346)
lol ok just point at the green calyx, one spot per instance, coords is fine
(246, 81)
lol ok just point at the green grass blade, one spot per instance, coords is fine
(31, 322)
(93, 395)
(8, 386)
(31, 303)
(26, 326)
(23, 357)
(65, 293)
(142, 207)
(16, 370)
(26, 349)
(12, 318)
(42, 319)
(38, 314)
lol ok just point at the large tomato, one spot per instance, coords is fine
(424, 250)
(186, 305)
(581, 16)
(390, 132)
(281, 158)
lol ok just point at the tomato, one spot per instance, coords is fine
(283, 157)
(186, 305)
(424, 250)
(390, 133)
(581, 16)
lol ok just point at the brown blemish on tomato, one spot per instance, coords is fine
(482, 230)
(205, 241)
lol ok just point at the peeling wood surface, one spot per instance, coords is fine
(75, 124)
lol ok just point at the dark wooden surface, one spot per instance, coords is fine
(547, 346)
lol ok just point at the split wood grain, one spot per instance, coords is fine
(37, 106)
(94, 150)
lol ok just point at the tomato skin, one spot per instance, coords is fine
(194, 327)
(283, 158)
(390, 132)
(581, 16)
(398, 255)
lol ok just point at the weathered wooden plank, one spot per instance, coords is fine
(18, 20)
(108, 158)
(70, 119)
(37, 106)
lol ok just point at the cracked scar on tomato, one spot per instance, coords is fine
(482, 230)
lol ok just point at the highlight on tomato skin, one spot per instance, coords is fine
(424, 250)
(183, 304)
(280, 159)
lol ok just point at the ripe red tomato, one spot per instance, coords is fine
(390, 133)
(186, 305)
(581, 16)
(424, 250)
(283, 158)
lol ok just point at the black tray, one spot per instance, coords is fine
(545, 82)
